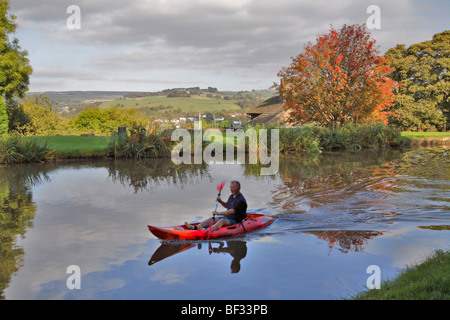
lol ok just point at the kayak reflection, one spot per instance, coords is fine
(237, 249)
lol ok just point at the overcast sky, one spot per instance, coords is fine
(150, 45)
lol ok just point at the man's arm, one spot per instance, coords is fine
(223, 203)
(225, 213)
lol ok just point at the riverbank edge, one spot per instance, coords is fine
(407, 143)
(428, 280)
(56, 156)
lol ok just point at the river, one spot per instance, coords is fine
(78, 230)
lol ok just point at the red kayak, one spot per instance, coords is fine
(252, 222)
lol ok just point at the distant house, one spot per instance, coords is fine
(186, 118)
(269, 112)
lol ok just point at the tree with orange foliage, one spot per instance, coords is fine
(340, 79)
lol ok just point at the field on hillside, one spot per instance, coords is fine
(191, 106)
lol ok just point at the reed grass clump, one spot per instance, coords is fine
(138, 143)
(18, 149)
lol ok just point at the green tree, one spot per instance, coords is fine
(40, 117)
(15, 69)
(107, 121)
(423, 71)
(3, 117)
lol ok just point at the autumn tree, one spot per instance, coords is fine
(423, 71)
(338, 80)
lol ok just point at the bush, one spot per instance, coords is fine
(310, 140)
(106, 121)
(305, 140)
(353, 137)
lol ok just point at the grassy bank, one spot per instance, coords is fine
(419, 135)
(427, 281)
(307, 140)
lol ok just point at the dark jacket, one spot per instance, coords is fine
(239, 204)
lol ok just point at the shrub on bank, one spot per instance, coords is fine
(313, 139)
(305, 140)
(360, 137)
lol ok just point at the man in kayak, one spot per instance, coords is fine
(236, 206)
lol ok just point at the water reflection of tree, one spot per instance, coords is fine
(152, 173)
(17, 211)
(429, 164)
(327, 182)
(327, 177)
(346, 240)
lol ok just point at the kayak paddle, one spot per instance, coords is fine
(219, 188)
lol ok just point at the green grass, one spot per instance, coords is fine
(76, 146)
(412, 135)
(427, 281)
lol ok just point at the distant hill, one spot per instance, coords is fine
(80, 99)
(169, 102)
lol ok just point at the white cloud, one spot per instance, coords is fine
(226, 42)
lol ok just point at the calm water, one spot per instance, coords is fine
(336, 215)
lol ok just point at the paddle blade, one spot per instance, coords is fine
(220, 185)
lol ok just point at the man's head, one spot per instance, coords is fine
(235, 187)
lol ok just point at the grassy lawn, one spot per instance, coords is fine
(427, 281)
(76, 146)
(412, 135)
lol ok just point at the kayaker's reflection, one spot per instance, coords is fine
(236, 248)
